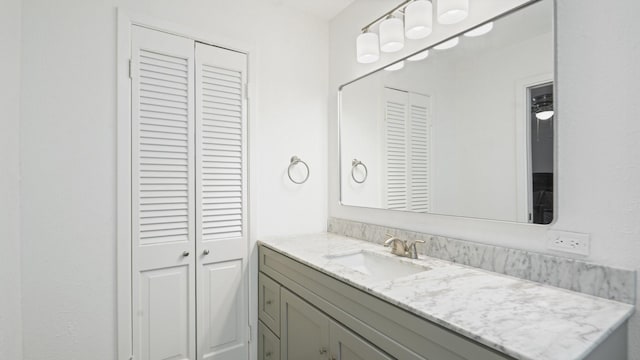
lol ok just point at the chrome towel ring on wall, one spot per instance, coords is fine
(354, 164)
(294, 161)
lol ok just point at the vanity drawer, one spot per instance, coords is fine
(269, 303)
(268, 343)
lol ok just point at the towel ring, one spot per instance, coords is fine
(294, 161)
(354, 164)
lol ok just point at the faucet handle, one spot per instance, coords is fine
(390, 239)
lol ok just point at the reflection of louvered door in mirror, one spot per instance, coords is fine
(189, 238)
(407, 144)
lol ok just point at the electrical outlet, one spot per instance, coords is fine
(569, 242)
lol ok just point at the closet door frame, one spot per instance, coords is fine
(125, 21)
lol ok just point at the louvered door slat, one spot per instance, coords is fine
(173, 69)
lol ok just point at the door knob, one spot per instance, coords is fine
(185, 253)
(205, 252)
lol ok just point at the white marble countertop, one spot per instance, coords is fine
(523, 319)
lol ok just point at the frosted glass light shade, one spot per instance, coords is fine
(419, 56)
(448, 44)
(452, 11)
(396, 66)
(391, 35)
(544, 115)
(418, 19)
(479, 31)
(367, 48)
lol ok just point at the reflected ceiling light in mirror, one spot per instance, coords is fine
(418, 19)
(542, 106)
(448, 44)
(397, 66)
(544, 115)
(419, 56)
(391, 35)
(452, 11)
(480, 30)
(367, 48)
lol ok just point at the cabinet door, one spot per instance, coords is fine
(345, 345)
(269, 303)
(268, 343)
(304, 330)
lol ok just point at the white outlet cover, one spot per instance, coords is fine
(568, 242)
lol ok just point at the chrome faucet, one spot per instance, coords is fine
(403, 247)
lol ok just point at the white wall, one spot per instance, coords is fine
(598, 162)
(68, 147)
(10, 308)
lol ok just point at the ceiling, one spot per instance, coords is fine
(324, 9)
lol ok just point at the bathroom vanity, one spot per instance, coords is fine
(326, 296)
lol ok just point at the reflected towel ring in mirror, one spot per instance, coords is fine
(294, 161)
(354, 164)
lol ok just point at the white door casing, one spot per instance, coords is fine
(163, 209)
(221, 203)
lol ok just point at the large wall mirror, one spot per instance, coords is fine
(467, 131)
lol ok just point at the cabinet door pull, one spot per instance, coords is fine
(323, 350)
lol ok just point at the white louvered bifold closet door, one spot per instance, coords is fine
(221, 183)
(407, 144)
(395, 139)
(419, 152)
(163, 209)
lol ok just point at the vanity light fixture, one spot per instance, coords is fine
(418, 19)
(397, 66)
(452, 11)
(391, 35)
(480, 30)
(419, 56)
(410, 17)
(448, 44)
(367, 48)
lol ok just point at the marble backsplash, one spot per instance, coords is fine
(575, 275)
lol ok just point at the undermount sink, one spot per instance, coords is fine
(377, 266)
